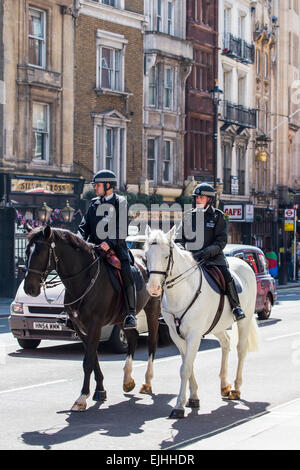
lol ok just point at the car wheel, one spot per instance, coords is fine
(29, 343)
(164, 337)
(266, 312)
(118, 340)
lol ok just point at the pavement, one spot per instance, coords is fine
(260, 432)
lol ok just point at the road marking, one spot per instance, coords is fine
(267, 412)
(32, 386)
(283, 336)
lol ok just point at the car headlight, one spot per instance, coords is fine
(16, 307)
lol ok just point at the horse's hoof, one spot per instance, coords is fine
(146, 389)
(225, 391)
(99, 395)
(78, 407)
(234, 395)
(129, 386)
(176, 414)
(193, 403)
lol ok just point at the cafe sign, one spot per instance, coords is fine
(235, 212)
(19, 185)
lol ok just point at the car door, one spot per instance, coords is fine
(251, 258)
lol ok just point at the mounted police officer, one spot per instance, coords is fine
(214, 239)
(106, 225)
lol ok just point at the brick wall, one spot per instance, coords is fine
(87, 101)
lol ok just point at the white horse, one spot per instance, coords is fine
(174, 272)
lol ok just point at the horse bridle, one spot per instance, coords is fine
(169, 268)
(44, 274)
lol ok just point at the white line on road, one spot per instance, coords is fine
(33, 386)
(283, 336)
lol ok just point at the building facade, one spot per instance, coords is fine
(202, 31)
(108, 119)
(37, 107)
(168, 58)
(237, 115)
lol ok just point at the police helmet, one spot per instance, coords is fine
(204, 189)
(105, 176)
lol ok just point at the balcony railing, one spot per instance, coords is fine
(238, 49)
(238, 114)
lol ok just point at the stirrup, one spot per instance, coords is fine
(161, 320)
(129, 322)
(238, 313)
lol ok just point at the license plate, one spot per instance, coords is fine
(47, 326)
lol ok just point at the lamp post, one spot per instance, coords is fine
(44, 212)
(67, 213)
(216, 98)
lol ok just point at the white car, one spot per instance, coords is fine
(34, 318)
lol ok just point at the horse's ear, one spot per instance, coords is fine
(28, 227)
(147, 231)
(47, 232)
(171, 233)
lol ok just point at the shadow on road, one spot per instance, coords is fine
(128, 418)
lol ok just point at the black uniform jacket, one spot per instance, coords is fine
(215, 234)
(116, 224)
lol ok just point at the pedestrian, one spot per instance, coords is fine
(104, 183)
(272, 260)
(215, 239)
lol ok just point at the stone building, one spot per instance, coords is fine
(168, 59)
(108, 120)
(237, 115)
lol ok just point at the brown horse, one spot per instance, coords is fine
(90, 300)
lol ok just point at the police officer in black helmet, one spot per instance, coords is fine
(104, 183)
(215, 239)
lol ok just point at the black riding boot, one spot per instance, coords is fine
(234, 301)
(130, 321)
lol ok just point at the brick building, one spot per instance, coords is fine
(108, 119)
(202, 31)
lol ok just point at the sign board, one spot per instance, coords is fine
(289, 213)
(249, 212)
(41, 186)
(289, 226)
(234, 185)
(235, 212)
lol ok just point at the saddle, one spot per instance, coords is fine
(216, 280)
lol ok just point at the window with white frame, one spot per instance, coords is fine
(168, 161)
(109, 73)
(152, 101)
(40, 131)
(171, 18)
(110, 60)
(37, 38)
(110, 144)
(169, 87)
(159, 16)
(152, 159)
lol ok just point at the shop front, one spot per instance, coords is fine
(37, 200)
(239, 218)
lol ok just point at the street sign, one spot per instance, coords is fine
(289, 226)
(289, 213)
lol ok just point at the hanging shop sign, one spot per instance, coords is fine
(249, 212)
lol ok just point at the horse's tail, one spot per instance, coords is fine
(253, 336)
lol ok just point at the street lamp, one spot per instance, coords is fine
(68, 213)
(44, 212)
(216, 98)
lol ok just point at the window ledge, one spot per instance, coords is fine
(108, 91)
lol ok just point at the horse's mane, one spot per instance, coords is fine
(159, 237)
(70, 238)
